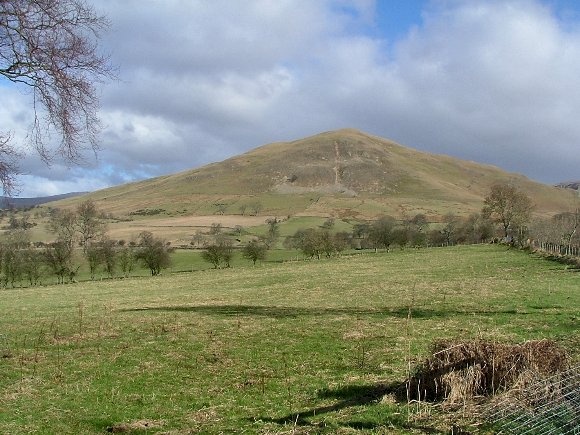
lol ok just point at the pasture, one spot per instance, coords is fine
(294, 347)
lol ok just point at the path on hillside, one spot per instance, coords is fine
(336, 163)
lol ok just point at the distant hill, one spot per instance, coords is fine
(7, 202)
(344, 173)
(574, 185)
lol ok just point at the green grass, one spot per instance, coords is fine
(311, 346)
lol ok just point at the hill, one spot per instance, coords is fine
(7, 202)
(574, 185)
(344, 173)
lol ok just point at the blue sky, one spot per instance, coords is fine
(494, 81)
(395, 18)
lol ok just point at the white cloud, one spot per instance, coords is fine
(493, 81)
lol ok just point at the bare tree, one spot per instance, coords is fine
(62, 223)
(273, 231)
(153, 252)
(126, 257)
(216, 253)
(101, 252)
(381, 232)
(450, 228)
(254, 251)
(50, 46)
(566, 224)
(8, 166)
(475, 229)
(509, 207)
(91, 228)
(59, 257)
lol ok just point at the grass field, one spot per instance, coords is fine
(295, 347)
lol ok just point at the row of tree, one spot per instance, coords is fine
(506, 216)
(77, 233)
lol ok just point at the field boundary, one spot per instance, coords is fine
(547, 406)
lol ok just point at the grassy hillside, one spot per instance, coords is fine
(301, 347)
(345, 172)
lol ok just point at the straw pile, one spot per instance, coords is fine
(459, 370)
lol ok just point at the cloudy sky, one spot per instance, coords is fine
(201, 80)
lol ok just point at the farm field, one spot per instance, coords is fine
(292, 347)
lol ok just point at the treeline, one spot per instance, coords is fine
(79, 235)
(387, 232)
(80, 238)
(559, 234)
(506, 217)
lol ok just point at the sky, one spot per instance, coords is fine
(497, 82)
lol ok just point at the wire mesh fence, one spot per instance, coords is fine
(540, 406)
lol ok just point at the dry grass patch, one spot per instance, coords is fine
(138, 425)
(458, 371)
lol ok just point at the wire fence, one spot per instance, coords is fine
(549, 406)
(558, 249)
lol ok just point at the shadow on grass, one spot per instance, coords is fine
(353, 396)
(293, 312)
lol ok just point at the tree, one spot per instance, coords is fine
(94, 257)
(342, 240)
(219, 252)
(59, 257)
(50, 46)
(254, 251)
(212, 255)
(256, 208)
(327, 244)
(227, 251)
(126, 259)
(508, 207)
(90, 226)
(417, 229)
(381, 232)
(476, 229)
(33, 265)
(360, 235)
(328, 224)
(310, 241)
(216, 229)
(101, 252)
(63, 224)
(153, 253)
(449, 230)
(197, 238)
(567, 225)
(109, 254)
(15, 244)
(273, 231)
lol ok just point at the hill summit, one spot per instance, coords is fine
(345, 172)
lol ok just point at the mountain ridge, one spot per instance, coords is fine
(326, 174)
(8, 202)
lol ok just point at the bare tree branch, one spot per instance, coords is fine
(51, 47)
(8, 166)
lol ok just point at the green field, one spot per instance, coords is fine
(292, 347)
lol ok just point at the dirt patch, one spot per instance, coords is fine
(138, 425)
(228, 221)
(457, 371)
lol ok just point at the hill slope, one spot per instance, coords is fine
(340, 173)
(7, 202)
